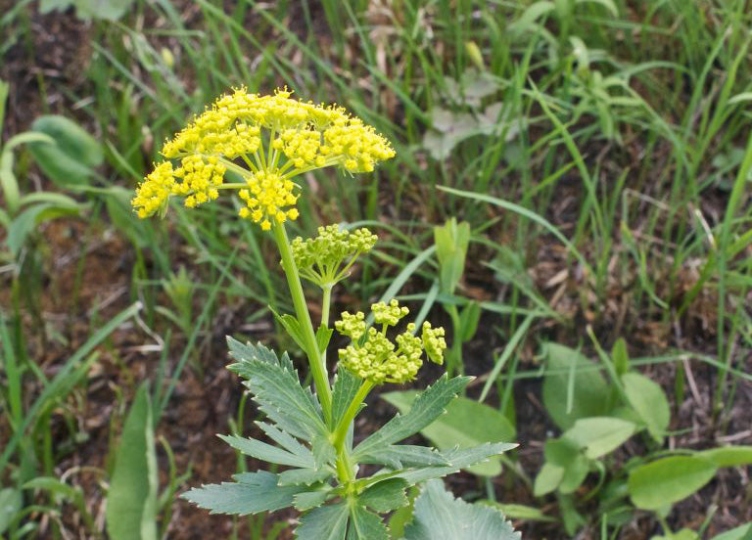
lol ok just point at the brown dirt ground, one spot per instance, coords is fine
(101, 262)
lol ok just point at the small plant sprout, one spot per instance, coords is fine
(256, 146)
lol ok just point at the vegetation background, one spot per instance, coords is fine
(599, 150)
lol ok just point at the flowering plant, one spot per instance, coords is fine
(267, 141)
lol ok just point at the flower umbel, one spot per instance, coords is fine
(372, 356)
(267, 141)
(327, 258)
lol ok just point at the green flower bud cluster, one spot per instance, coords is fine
(326, 259)
(374, 357)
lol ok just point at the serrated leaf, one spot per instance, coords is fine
(323, 451)
(668, 480)
(278, 391)
(345, 388)
(323, 336)
(286, 441)
(303, 477)
(267, 452)
(457, 459)
(400, 456)
(439, 516)
(365, 525)
(600, 435)
(385, 496)
(466, 423)
(649, 401)
(132, 498)
(250, 494)
(427, 407)
(573, 388)
(324, 523)
(246, 351)
(294, 330)
(310, 499)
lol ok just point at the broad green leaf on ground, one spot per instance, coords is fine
(324, 523)
(427, 407)
(566, 455)
(132, 498)
(521, 511)
(466, 423)
(70, 160)
(600, 435)
(573, 388)
(439, 516)
(668, 480)
(740, 533)
(549, 478)
(451, 242)
(649, 401)
(729, 456)
(251, 493)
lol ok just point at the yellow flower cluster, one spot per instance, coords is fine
(373, 356)
(327, 258)
(275, 138)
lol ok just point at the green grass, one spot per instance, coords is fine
(615, 153)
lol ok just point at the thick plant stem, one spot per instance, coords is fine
(318, 369)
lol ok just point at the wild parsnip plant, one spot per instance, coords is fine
(257, 146)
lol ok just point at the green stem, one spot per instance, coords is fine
(318, 369)
(326, 303)
(344, 466)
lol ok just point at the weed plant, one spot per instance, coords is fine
(598, 153)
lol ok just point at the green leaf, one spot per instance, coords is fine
(385, 496)
(365, 525)
(522, 512)
(304, 477)
(600, 435)
(620, 356)
(466, 423)
(573, 387)
(457, 459)
(648, 400)
(278, 391)
(451, 242)
(11, 502)
(267, 452)
(324, 523)
(548, 479)
(294, 330)
(28, 220)
(668, 480)
(69, 162)
(400, 456)
(310, 499)
(286, 441)
(344, 390)
(427, 407)
(132, 498)
(567, 455)
(250, 494)
(439, 516)
(323, 336)
(469, 319)
(729, 456)
(740, 533)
